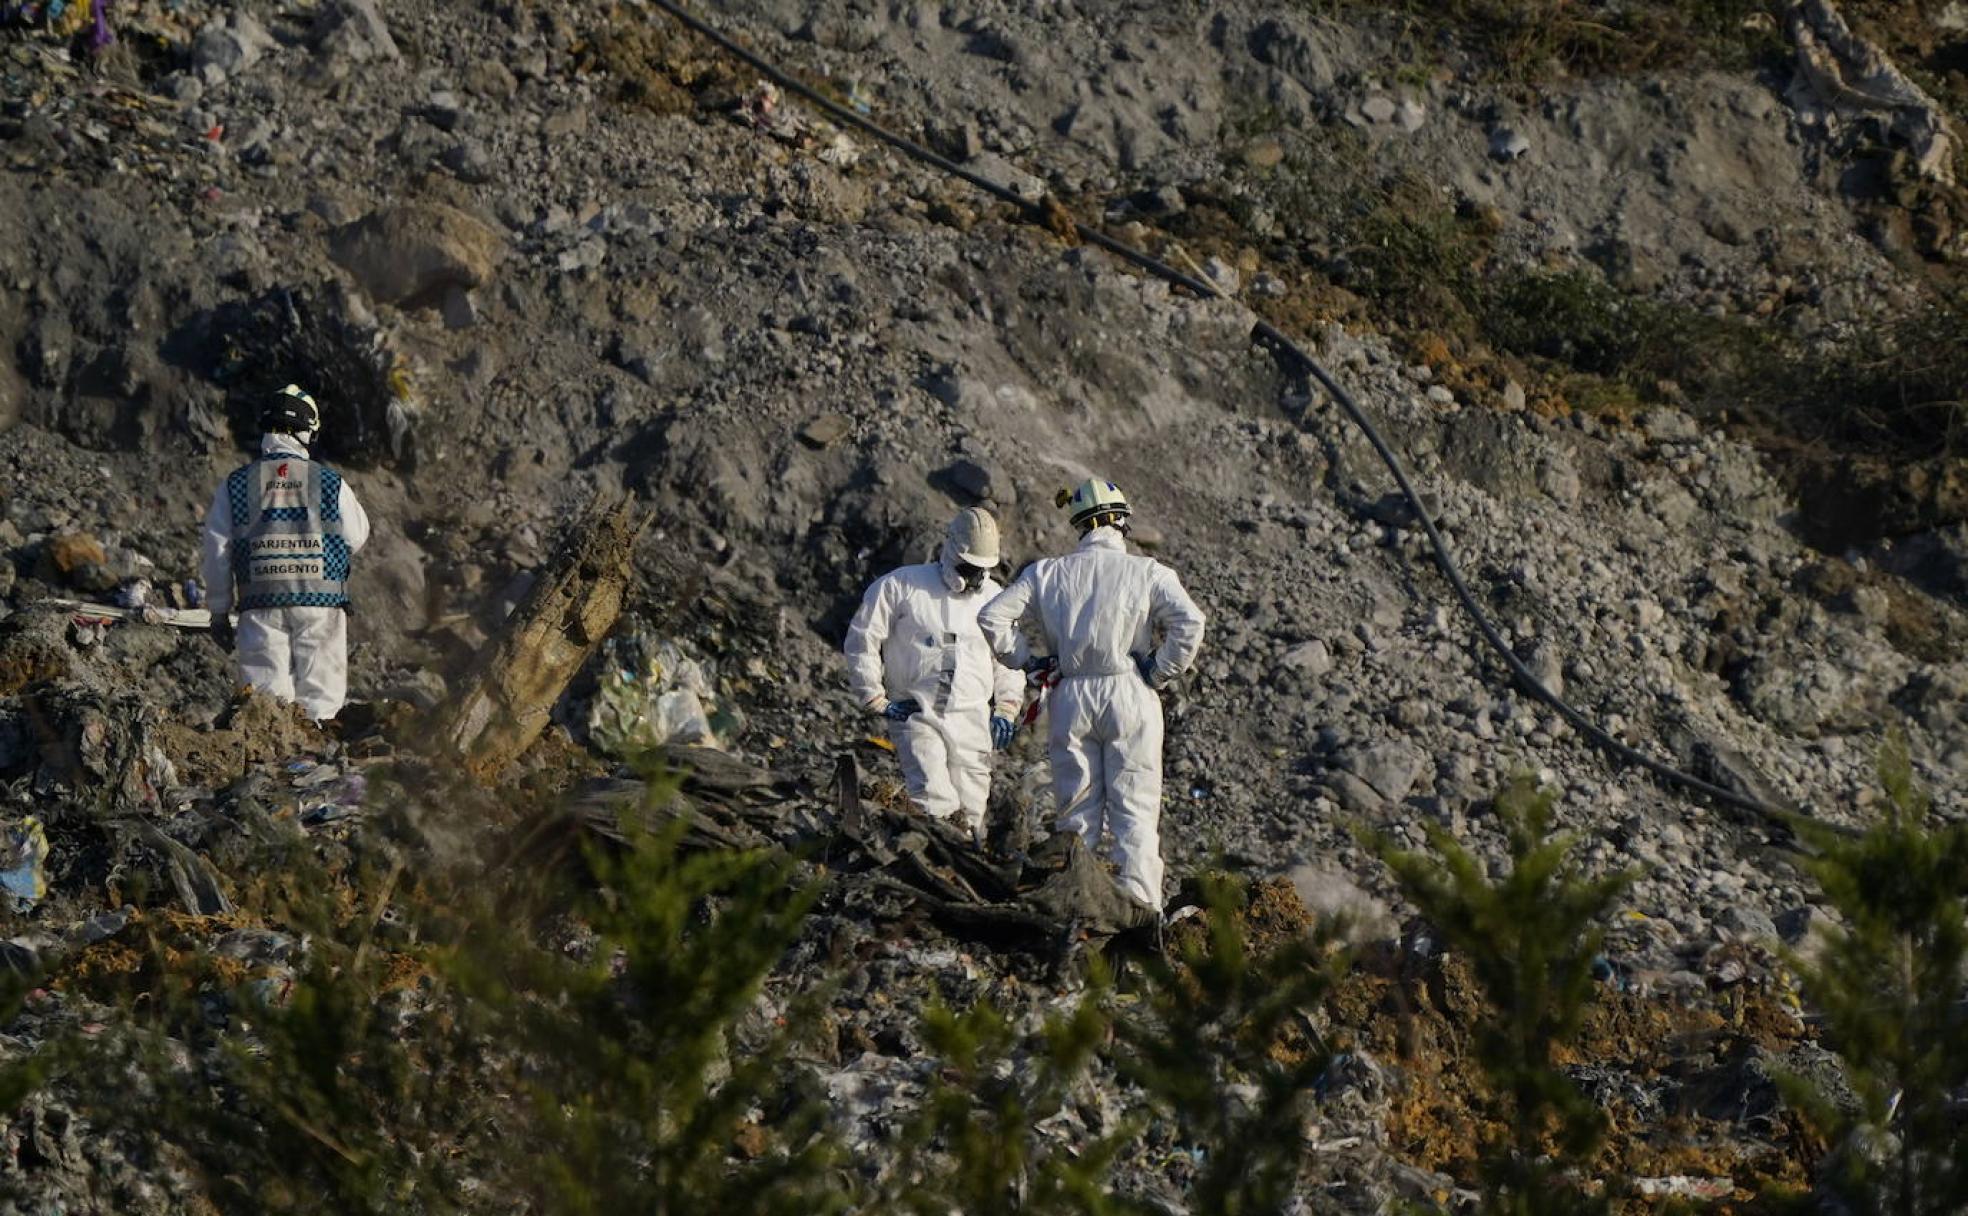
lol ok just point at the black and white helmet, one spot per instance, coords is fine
(290, 412)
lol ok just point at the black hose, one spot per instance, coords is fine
(1056, 215)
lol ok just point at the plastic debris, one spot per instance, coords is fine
(762, 109)
(21, 861)
(840, 151)
(1682, 1184)
(653, 695)
(332, 803)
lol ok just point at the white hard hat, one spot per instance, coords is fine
(973, 537)
(1095, 501)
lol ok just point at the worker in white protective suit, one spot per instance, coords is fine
(915, 656)
(278, 544)
(1099, 609)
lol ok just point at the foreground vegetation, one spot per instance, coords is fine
(589, 1038)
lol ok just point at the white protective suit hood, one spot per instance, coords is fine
(971, 539)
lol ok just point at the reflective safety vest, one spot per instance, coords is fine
(288, 550)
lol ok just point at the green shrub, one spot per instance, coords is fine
(624, 1051)
(1892, 983)
(1213, 1044)
(1223, 1047)
(440, 1050)
(974, 1146)
(1530, 937)
(1525, 42)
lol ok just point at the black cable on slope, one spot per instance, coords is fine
(1055, 216)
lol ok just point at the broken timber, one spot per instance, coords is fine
(504, 701)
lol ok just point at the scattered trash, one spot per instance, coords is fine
(21, 860)
(762, 109)
(98, 928)
(88, 631)
(334, 800)
(840, 151)
(314, 775)
(652, 695)
(1682, 1184)
(98, 617)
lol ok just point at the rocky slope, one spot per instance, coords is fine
(525, 253)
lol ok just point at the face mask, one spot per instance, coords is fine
(971, 576)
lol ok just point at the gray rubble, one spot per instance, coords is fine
(521, 268)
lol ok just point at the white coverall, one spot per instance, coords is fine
(915, 638)
(295, 654)
(1097, 607)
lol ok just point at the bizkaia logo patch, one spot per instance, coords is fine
(282, 470)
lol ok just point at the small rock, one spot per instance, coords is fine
(1509, 145)
(1872, 603)
(460, 308)
(469, 161)
(1223, 276)
(1264, 153)
(1313, 658)
(227, 48)
(1513, 395)
(1378, 109)
(1560, 480)
(1747, 924)
(444, 111)
(492, 80)
(1354, 794)
(1669, 426)
(587, 255)
(74, 551)
(565, 123)
(636, 356)
(1411, 713)
(969, 478)
(826, 430)
(1006, 174)
(1328, 893)
(702, 333)
(1390, 768)
(1803, 929)
(1549, 668)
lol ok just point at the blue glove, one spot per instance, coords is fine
(902, 711)
(1145, 664)
(1002, 729)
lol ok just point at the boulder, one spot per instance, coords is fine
(1328, 893)
(353, 30)
(229, 47)
(412, 254)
